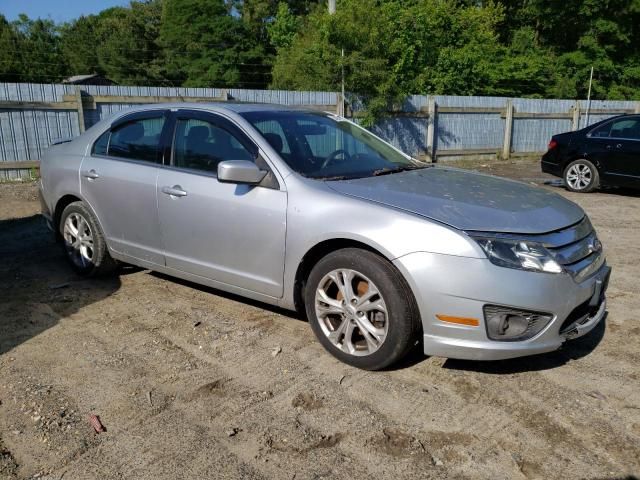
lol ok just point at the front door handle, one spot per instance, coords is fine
(619, 145)
(91, 174)
(175, 191)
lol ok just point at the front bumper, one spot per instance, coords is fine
(459, 286)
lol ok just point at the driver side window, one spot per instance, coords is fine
(202, 145)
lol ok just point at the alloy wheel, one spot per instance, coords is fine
(78, 240)
(351, 312)
(579, 176)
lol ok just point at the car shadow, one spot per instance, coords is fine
(620, 191)
(570, 350)
(37, 286)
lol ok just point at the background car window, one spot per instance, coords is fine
(627, 128)
(137, 140)
(623, 128)
(201, 145)
(100, 147)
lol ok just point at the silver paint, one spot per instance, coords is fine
(251, 240)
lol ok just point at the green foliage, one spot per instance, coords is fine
(284, 27)
(204, 45)
(392, 48)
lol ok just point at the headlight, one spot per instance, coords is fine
(519, 254)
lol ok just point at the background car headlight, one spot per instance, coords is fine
(519, 254)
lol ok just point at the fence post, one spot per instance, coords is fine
(575, 119)
(80, 109)
(431, 129)
(339, 105)
(508, 129)
(637, 107)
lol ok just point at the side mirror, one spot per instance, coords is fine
(240, 171)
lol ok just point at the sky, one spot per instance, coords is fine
(58, 10)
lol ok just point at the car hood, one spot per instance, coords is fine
(467, 200)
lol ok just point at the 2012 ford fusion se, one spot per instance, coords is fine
(309, 211)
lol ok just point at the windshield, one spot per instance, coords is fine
(318, 145)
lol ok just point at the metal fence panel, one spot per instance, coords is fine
(460, 123)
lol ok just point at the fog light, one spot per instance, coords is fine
(509, 325)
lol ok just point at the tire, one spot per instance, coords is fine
(336, 320)
(88, 255)
(581, 176)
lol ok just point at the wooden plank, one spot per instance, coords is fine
(14, 105)
(610, 111)
(19, 165)
(508, 130)
(431, 129)
(543, 115)
(575, 117)
(319, 108)
(80, 109)
(89, 102)
(526, 154)
(470, 110)
(467, 151)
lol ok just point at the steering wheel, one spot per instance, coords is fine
(332, 157)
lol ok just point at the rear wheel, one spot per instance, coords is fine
(84, 242)
(581, 176)
(361, 309)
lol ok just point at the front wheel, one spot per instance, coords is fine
(361, 309)
(581, 176)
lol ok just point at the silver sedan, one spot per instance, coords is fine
(309, 211)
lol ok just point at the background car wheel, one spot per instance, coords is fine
(581, 176)
(83, 241)
(361, 309)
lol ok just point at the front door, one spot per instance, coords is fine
(118, 180)
(230, 233)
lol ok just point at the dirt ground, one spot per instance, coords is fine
(193, 383)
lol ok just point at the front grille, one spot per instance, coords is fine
(577, 249)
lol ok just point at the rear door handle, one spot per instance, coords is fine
(91, 174)
(175, 191)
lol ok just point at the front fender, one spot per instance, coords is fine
(316, 214)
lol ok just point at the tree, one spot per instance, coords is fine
(11, 68)
(205, 45)
(392, 49)
(127, 49)
(36, 46)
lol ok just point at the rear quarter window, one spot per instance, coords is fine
(102, 144)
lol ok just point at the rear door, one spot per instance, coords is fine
(616, 147)
(230, 233)
(118, 180)
(625, 134)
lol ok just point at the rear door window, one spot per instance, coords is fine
(138, 139)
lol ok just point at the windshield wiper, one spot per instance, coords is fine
(387, 171)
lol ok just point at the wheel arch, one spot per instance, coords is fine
(61, 204)
(322, 249)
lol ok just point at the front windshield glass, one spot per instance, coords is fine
(318, 145)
